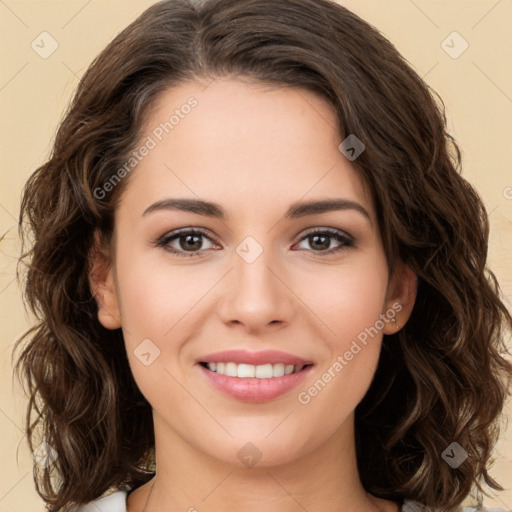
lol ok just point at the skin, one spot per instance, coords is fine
(254, 150)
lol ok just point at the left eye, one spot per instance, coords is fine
(321, 240)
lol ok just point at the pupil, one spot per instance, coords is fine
(324, 245)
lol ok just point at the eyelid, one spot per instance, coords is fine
(333, 231)
(185, 231)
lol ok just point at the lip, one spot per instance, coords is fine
(252, 389)
(255, 358)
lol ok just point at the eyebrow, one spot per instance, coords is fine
(296, 210)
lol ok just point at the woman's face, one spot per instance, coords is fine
(252, 277)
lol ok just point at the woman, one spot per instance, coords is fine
(260, 277)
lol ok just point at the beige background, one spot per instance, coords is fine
(476, 87)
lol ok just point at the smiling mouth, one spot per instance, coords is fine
(249, 371)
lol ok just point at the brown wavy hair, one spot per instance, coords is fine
(444, 377)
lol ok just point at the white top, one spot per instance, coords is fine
(116, 502)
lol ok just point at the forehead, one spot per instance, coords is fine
(239, 140)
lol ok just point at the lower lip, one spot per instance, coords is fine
(255, 390)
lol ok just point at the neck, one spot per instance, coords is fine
(323, 479)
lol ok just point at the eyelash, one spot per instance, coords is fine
(346, 240)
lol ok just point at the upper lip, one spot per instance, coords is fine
(254, 358)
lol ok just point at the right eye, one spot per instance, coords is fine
(186, 242)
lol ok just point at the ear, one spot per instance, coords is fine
(400, 298)
(102, 285)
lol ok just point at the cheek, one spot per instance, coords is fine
(155, 304)
(349, 299)
(156, 297)
(349, 306)
(162, 306)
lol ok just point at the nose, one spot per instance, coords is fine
(256, 296)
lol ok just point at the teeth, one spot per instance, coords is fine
(277, 370)
(288, 369)
(264, 371)
(246, 370)
(231, 369)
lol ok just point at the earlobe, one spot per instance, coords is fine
(400, 299)
(102, 285)
(108, 306)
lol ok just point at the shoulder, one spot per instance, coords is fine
(115, 502)
(414, 506)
